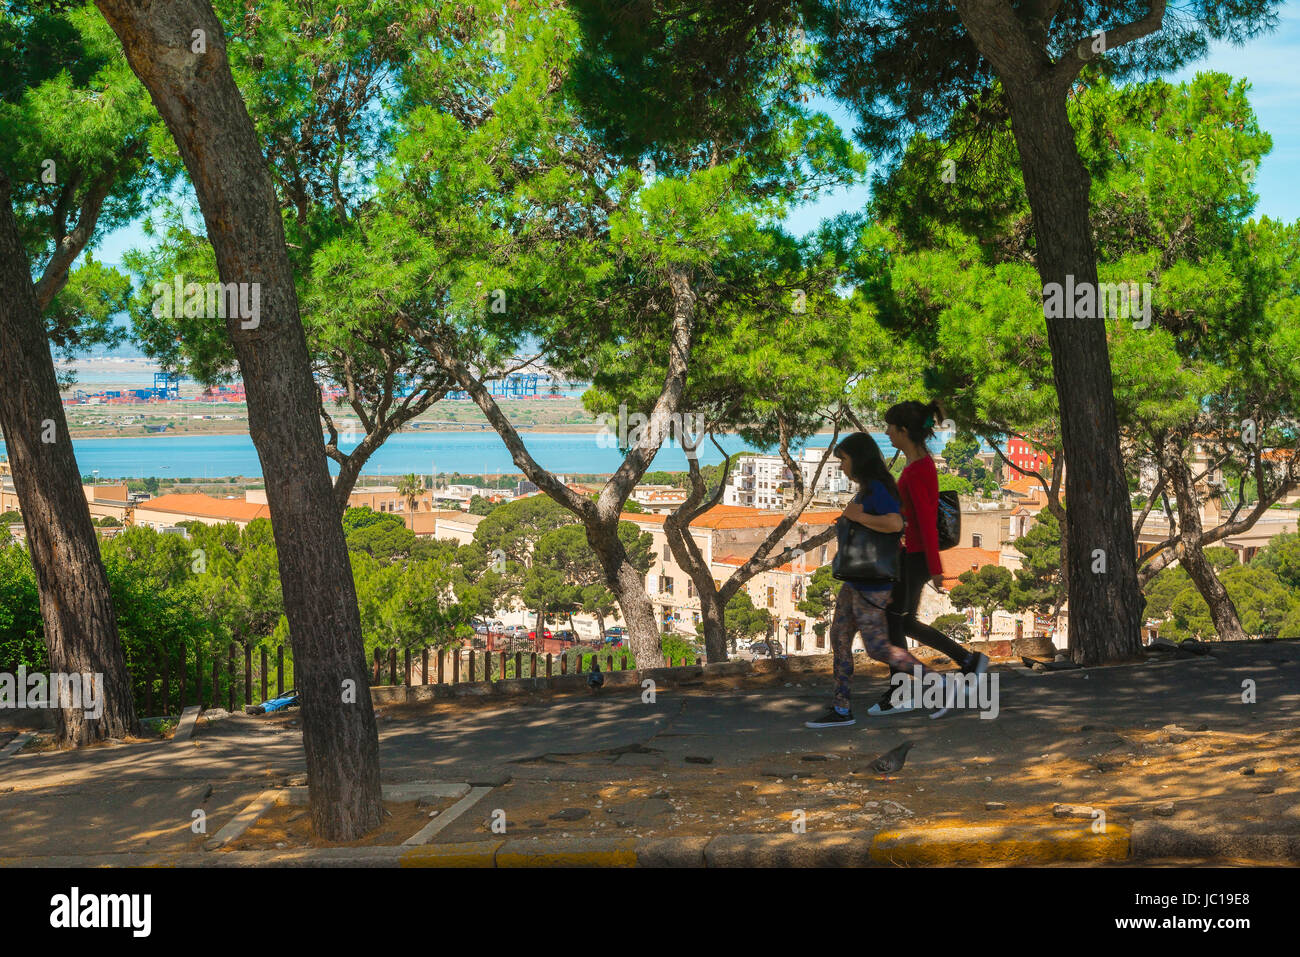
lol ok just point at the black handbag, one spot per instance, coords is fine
(865, 555)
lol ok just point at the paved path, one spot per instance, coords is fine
(1050, 743)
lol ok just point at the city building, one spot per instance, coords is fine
(727, 536)
(658, 498)
(168, 511)
(453, 524)
(1027, 456)
(765, 482)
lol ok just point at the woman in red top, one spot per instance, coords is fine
(909, 425)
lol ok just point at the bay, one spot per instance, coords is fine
(215, 456)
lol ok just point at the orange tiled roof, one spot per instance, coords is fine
(722, 517)
(1023, 486)
(206, 506)
(956, 561)
(808, 567)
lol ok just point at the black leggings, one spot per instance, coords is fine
(900, 612)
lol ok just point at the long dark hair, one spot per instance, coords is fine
(916, 419)
(868, 464)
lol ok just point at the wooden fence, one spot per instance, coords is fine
(426, 666)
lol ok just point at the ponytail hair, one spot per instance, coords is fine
(916, 419)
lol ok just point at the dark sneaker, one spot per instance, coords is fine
(886, 705)
(832, 719)
(977, 664)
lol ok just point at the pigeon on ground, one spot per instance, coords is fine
(596, 679)
(892, 761)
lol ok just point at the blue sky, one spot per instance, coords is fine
(1272, 65)
(1268, 62)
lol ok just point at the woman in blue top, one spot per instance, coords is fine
(860, 606)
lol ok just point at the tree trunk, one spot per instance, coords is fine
(196, 96)
(712, 607)
(80, 625)
(713, 622)
(1222, 610)
(1105, 607)
(628, 586)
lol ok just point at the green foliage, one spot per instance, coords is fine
(742, 620)
(954, 626)
(961, 454)
(565, 576)
(381, 535)
(1038, 585)
(75, 133)
(21, 628)
(819, 598)
(955, 483)
(987, 589)
(1281, 556)
(1266, 605)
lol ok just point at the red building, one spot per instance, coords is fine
(1026, 456)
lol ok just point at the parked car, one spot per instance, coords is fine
(617, 633)
(759, 648)
(480, 629)
(566, 635)
(546, 633)
(516, 631)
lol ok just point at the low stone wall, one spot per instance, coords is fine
(27, 719)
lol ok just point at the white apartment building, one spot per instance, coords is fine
(659, 498)
(764, 481)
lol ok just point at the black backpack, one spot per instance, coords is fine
(949, 515)
(949, 520)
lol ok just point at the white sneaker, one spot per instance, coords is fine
(949, 694)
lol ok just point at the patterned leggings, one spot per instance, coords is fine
(853, 613)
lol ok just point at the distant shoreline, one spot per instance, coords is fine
(572, 429)
(101, 434)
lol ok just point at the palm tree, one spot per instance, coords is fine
(411, 487)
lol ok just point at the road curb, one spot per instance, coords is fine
(897, 847)
(999, 845)
(574, 852)
(1156, 839)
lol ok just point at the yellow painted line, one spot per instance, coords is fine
(999, 845)
(618, 853)
(471, 854)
